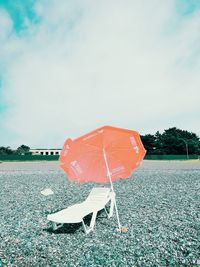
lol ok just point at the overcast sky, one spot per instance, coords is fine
(68, 67)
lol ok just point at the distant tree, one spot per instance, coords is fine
(22, 150)
(172, 141)
(175, 141)
(159, 144)
(149, 143)
(6, 150)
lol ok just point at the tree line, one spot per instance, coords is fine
(21, 150)
(172, 141)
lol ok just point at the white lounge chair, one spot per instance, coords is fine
(96, 201)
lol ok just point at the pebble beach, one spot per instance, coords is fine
(159, 205)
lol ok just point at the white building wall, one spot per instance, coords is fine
(45, 151)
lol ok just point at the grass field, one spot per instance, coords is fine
(159, 204)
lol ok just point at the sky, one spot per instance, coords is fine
(70, 66)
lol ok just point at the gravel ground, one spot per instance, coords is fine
(159, 204)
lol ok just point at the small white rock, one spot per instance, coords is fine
(47, 192)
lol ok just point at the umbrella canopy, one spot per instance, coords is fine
(103, 155)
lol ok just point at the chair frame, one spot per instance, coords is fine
(90, 228)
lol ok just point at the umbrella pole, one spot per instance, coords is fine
(109, 175)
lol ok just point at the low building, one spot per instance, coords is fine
(46, 152)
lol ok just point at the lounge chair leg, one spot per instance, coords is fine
(84, 227)
(56, 226)
(92, 223)
(111, 207)
(106, 212)
(87, 229)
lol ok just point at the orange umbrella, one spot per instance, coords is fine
(103, 155)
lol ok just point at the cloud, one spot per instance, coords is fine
(5, 24)
(131, 64)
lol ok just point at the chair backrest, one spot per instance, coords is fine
(99, 194)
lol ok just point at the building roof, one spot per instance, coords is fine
(46, 149)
